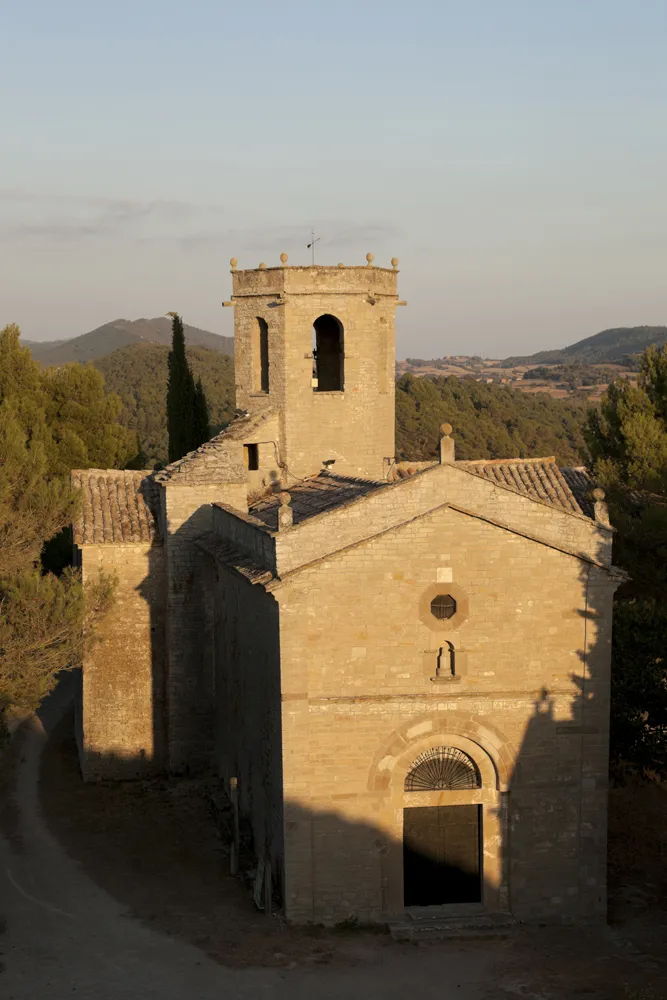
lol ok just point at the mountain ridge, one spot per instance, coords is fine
(610, 345)
(119, 333)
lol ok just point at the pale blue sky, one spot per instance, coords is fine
(511, 154)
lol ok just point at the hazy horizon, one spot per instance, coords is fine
(509, 155)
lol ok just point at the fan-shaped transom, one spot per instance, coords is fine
(443, 769)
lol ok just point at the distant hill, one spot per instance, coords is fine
(122, 333)
(609, 345)
(138, 373)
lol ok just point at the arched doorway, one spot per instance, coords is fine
(442, 840)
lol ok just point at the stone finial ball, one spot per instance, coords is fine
(285, 499)
(284, 258)
(598, 494)
(233, 263)
(370, 258)
(394, 262)
(445, 429)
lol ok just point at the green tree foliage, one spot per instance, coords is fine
(638, 734)
(66, 409)
(489, 420)
(45, 620)
(202, 429)
(627, 438)
(620, 346)
(138, 374)
(187, 411)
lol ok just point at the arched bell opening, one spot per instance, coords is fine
(328, 354)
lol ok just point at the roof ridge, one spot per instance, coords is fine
(227, 433)
(505, 461)
(114, 472)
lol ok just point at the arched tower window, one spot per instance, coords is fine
(260, 356)
(328, 354)
(443, 769)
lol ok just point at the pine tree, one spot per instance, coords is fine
(45, 620)
(627, 436)
(627, 439)
(187, 410)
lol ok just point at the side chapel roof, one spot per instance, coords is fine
(117, 506)
(539, 479)
(313, 496)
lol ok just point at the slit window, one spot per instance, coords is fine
(260, 356)
(328, 354)
(251, 453)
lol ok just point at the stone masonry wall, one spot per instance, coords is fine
(122, 697)
(403, 501)
(190, 671)
(247, 654)
(531, 697)
(355, 427)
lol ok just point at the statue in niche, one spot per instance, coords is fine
(445, 668)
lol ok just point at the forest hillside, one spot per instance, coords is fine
(138, 374)
(110, 337)
(489, 420)
(616, 345)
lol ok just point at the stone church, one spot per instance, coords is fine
(403, 668)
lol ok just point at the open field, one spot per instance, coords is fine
(590, 380)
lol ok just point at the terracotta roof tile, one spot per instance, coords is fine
(538, 478)
(224, 552)
(314, 496)
(117, 506)
(581, 485)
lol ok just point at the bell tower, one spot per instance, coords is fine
(316, 346)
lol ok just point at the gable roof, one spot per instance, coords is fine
(538, 478)
(217, 460)
(314, 496)
(117, 506)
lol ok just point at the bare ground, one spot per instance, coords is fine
(154, 846)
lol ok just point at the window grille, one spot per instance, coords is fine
(443, 606)
(443, 769)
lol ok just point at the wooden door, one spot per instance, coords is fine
(441, 855)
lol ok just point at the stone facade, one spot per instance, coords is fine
(320, 634)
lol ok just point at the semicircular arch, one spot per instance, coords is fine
(487, 747)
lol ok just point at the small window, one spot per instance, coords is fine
(251, 452)
(443, 607)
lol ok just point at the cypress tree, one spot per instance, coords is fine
(180, 393)
(187, 409)
(202, 430)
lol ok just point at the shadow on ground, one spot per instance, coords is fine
(154, 845)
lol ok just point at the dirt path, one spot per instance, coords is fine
(66, 936)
